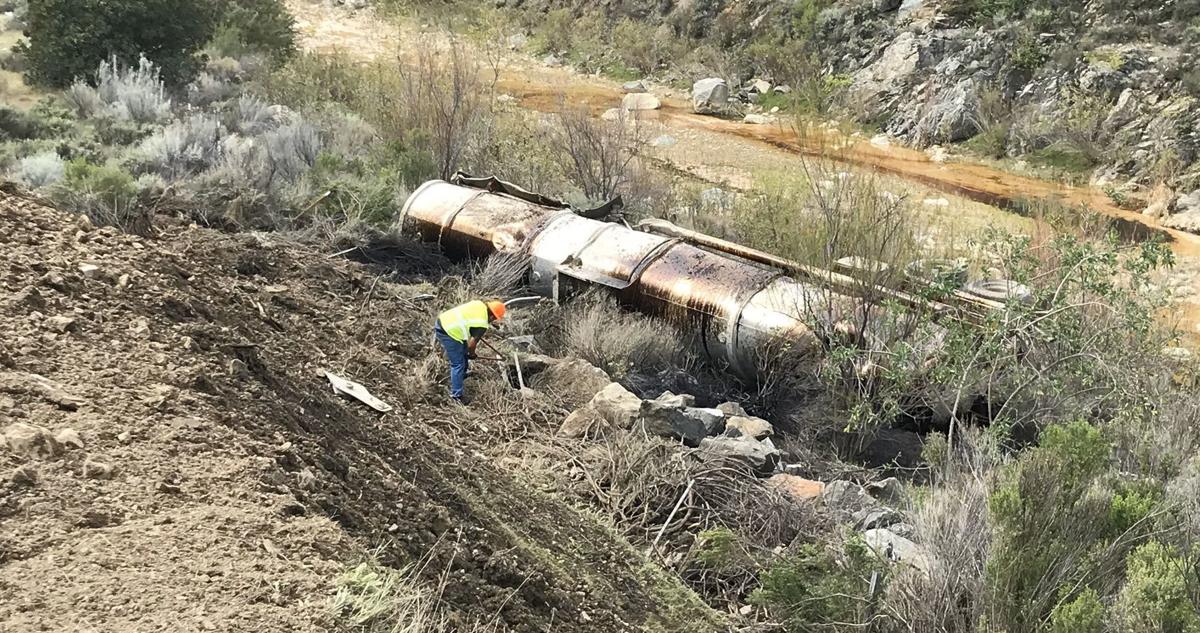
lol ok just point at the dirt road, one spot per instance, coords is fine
(738, 154)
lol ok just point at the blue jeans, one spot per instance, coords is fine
(456, 353)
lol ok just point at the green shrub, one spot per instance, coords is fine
(812, 589)
(1160, 591)
(1084, 614)
(69, 38)
(254, 26)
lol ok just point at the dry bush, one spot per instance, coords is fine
(602, 153)
(597, 330)
(502, 275)
(952, 525)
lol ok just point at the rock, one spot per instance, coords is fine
(878, 517)
(761, 86)
(611, 114)
(21, 382)
(884, 6)
(782, 89)
(668, 420)
(617, 406)
(731, 409)
(551, 60)
(762, 457)
(575, 380)
(846, 496)
(937, 154)
(581, 423)
(25, 475)
(1189, 222)
(749, 426)
(798, 488)
(710, 96)
(756, 119)
(1189, 203)
(670, 400)
(952, 116)
(889, 490)
(904, 530)
(89, 271)
(95, 469)
(238, 369)
(665, 140)
(506, 98)
(637, 101)
(712, 419)
(68, 438)
(29, 440)
(60, 324)
(633, 86)
(896, 548)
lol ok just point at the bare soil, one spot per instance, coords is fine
(222, 485)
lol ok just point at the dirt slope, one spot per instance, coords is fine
(221, 485)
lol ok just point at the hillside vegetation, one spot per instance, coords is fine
(196, 227)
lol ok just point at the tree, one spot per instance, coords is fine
(69, 38)
(255, 26)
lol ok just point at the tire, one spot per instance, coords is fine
(1001, 290)
(938, 271)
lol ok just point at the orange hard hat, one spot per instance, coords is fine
(497, 309)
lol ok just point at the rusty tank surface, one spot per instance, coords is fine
(736, 307)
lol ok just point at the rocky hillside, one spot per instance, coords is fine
(1092, 90)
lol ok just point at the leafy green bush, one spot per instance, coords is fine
(16, 125)
(812, 589)
(68, 38)
(254, 26)
(1084, 614)
(1160, 592)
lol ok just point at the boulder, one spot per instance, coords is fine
(846, 496)
(551, 60)
(782, 89)
(896, 548)
(666, 421)
(617, 406)
(582, 422)
(1189, 222)
(798, 488)
(26, 475)
(29, 440)
(68, 438)
(762, 457)
(1189, 203)
(611, 114)
(749, 426)
(516, 41)
(671, 401)
(884, 6)
(756, 119)
(637, 101)
(95, 469)
(710, 95)
(878, 517)
(575, 381)
(731, 409)
(60, 324)
(761, 86)
(889, 490)
(633, 86)
(952, 116)
(712, 419)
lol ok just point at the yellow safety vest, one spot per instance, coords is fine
(458, 322)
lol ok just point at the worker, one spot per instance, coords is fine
(459, 330)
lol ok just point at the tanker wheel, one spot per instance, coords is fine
(1001, 290)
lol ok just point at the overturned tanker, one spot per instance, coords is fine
(738, 308)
